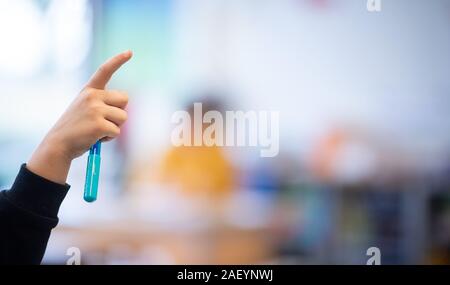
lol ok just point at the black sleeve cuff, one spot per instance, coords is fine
(37, 194)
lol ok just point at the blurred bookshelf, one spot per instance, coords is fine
(408, 222)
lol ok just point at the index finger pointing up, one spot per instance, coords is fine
(107, 69)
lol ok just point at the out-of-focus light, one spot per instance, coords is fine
(71, 28)
(22, 37)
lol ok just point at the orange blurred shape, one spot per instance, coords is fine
(198, 170)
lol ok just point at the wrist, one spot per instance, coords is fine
(56, 148)
(50, 160)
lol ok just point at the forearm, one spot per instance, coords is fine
(28, 212)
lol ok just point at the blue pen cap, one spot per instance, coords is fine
(92, 173)
(96, 148)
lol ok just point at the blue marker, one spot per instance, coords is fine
(99, 81)
(92, 173)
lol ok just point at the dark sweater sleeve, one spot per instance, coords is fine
(28, 213)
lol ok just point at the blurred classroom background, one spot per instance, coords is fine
(364, 102)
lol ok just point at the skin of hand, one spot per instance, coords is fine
(95, 114)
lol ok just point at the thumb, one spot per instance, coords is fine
(107, 69)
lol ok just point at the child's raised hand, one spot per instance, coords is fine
(95, 114)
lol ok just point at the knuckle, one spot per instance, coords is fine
(91, 95)
(101, 123)
(120, 98)
(123, 116)
(95, 110)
